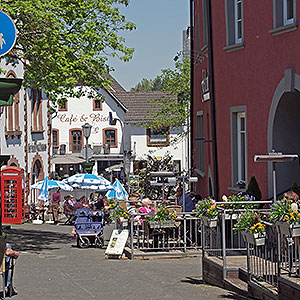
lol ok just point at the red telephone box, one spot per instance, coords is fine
(13, 195)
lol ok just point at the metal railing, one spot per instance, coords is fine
(182, 235)
(263, 261)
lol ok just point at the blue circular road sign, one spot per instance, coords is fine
(8, 33)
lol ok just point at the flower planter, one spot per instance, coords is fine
(257, 239)
(231, 216)
(162, 224)
(291, 230)
(209, 222)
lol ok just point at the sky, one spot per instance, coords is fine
(156, 40)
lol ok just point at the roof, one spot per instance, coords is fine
(140, 104)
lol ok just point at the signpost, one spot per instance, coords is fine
(8, 33)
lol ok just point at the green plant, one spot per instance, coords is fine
(110, 204)
(253, 189)
(285, 210)
(162, 214)
(239, 198)
(250, 222)
(207, 208)
(119, 213)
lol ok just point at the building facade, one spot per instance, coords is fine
(248, 66)
(25, 134)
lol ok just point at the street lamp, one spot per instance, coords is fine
(86, 128)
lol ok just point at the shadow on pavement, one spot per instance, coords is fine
(37, 241)
(191, 280)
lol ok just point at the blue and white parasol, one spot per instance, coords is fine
(119, 192)
(52, 184)
(89, 181)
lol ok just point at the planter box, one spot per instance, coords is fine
(231, 216)
(162, 224)
(257, 239)
(208, 222)
(291, 230)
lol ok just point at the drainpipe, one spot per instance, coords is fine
(212, 100)
(191, 159)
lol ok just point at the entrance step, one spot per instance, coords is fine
(237, 285)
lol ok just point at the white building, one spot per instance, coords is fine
(106, 143)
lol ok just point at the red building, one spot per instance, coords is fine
(246, 98)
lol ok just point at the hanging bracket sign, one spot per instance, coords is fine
(8, 33)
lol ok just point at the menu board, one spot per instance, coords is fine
(117, 242)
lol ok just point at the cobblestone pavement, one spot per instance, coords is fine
(51, 267)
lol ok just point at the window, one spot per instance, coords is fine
(110, 137)
(234, 22)
(158, 137)
(55, 142)
(36, 111)
(12, 113)
(97, 104)
(288, 12)
(238, 144)
(76, 140)
(205, 22)
(284, 13)
(63, 106)
(200, 143)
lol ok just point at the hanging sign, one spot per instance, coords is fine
(8, 33)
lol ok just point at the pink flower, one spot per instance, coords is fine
(121, 219)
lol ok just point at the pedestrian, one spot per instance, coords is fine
(9, 266)
(56, 197)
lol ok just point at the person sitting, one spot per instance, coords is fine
(146, 206)
(189, 205)
(10, 255)
(69, 209)
(98, 202)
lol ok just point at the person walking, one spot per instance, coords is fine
(56, 197)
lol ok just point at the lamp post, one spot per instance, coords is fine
(86, 128)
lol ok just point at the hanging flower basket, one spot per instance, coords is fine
(256, 239)
(291, 230)
(162, 224)
(209, 222)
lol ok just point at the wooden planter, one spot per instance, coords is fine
(257, 239)
(209, 222)
(162, 224)
(291, 230)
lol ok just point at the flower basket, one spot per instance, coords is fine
(209, 222)
(257, 239)
(291, 230)
(162, 224)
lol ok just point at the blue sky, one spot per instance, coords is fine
(156, 40)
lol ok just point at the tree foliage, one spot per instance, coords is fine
(148, 85)
(63, 43)
(172, 110)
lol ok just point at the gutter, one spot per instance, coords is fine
(212, 101)
(191, 158)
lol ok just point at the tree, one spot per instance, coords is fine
(66, 43)
(148, 85)
(172, 110)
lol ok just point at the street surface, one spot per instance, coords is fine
(51, 267)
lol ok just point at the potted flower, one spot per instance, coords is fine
(236, 206)
(162, 218)
(251, 227)
(120, 215)
(286, 215)
(206, 210)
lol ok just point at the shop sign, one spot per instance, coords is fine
(37, 148)
(205, 86)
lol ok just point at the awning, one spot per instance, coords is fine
(67, 160)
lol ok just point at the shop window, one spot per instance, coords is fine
(158, 137)
(110, 137)
(76, 140)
